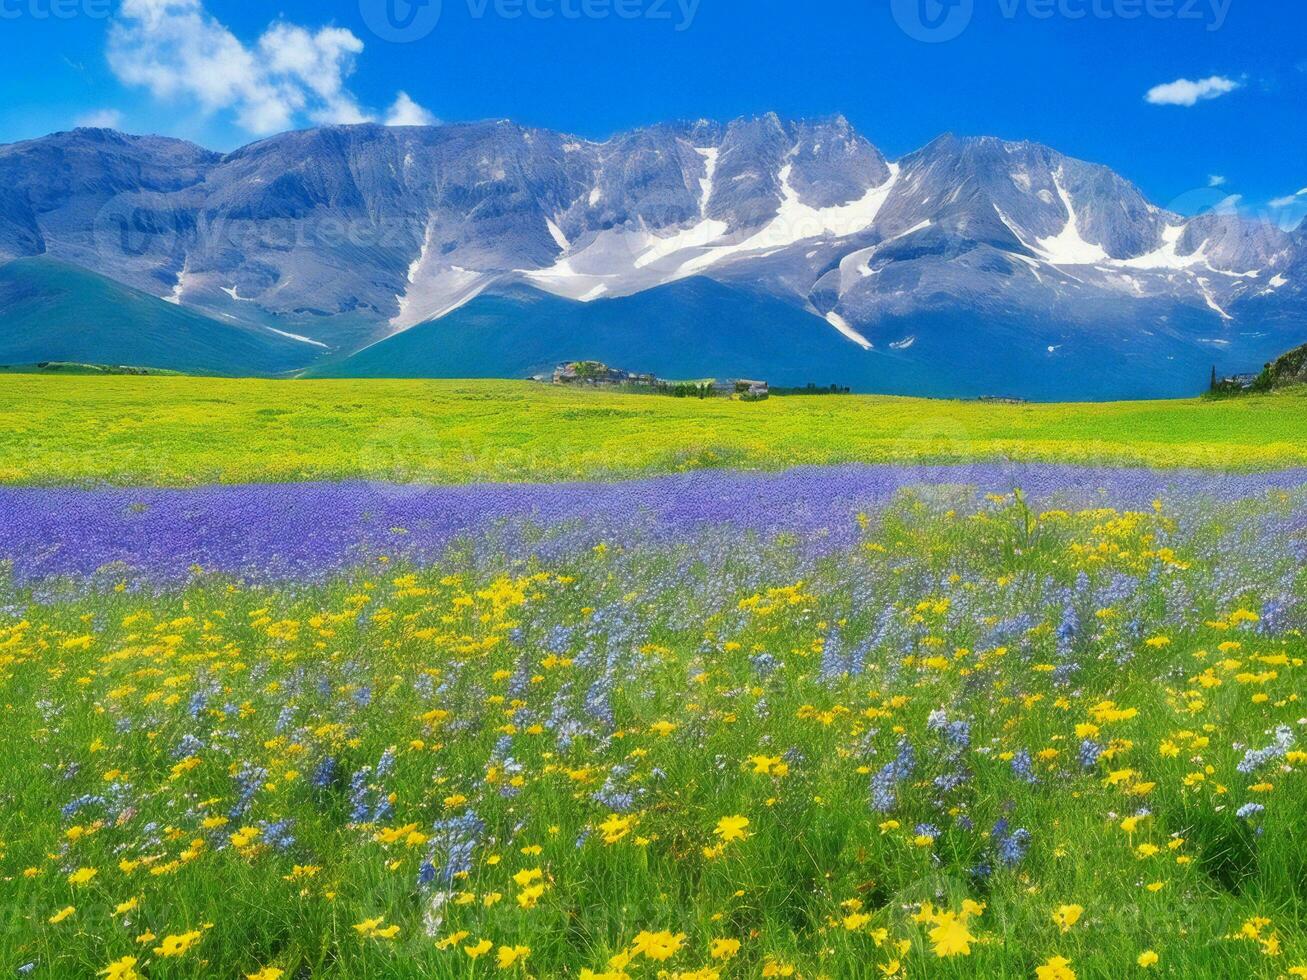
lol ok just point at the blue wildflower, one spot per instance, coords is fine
(1023, 767)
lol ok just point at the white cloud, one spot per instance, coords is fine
(320, 61)
(1284, 202)
(1187, 93)
(1216, 180)
(177, 50)
(406, 112)
(100, 119)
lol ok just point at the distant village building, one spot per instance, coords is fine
(745, 388)
(596, 374)
(1236, 382)
(600, 375)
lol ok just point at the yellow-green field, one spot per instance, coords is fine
(176, 430)
(868, 723)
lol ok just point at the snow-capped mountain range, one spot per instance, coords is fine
(967, 252)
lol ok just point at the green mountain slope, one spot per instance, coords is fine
(692, 329)
(53, 311)
(700, 328)
(1287, 370)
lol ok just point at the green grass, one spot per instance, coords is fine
(196, 719)
(175, 430)
(76, 369)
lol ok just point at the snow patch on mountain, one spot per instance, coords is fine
(797, 222)
(178, 289)
(1069, 247)
(857, 264)
(436, 288)
(607, 265)
(621, 261)
(1206, 287)
(710, 155)
(1167, 255)
(297, 337)
(698, 236)
(846, 328)
(1031, 264)
(557, 233)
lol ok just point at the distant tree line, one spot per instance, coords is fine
(812, 389)
(687, 389)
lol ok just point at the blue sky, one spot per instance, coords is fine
(1228, 77)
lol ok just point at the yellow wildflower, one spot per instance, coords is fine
(1066, 916)
(1056, 968)
(123, 969)
(658, 945)
(724, 949)
(732, 828)
(178, 945)
(373, 929)
(950, 936)
(509, 956)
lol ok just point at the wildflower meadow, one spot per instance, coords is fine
(985, 720)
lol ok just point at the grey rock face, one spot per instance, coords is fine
(650, 177)
(91, 189)
(20, 234)
(1011, 195)
(1232, 244)
(833, 165)
(747, 186)
(69, 170)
